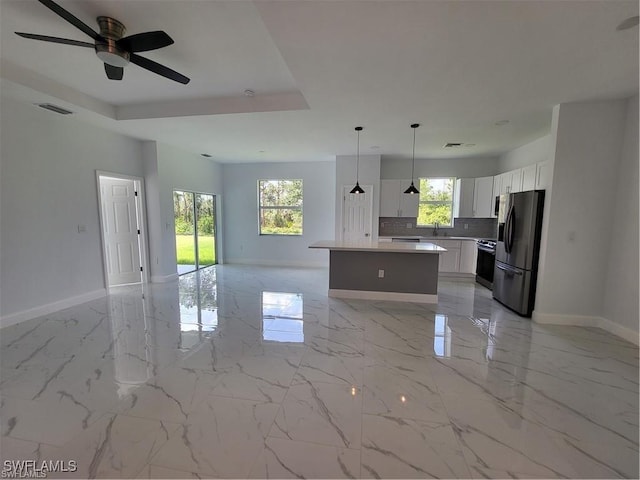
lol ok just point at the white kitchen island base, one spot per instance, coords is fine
(405, 272)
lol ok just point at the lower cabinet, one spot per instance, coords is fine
(460, 257)
(449, 260)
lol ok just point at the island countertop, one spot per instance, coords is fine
(421, 247)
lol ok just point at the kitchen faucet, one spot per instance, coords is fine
(435, 229)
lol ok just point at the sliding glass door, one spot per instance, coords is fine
(195, 225)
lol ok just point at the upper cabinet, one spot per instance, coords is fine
(483, 199)
(516, 181)
(542, 175)
(394, 202)
(502, 183)
(463, 197)
(473, 197)
(529, 177)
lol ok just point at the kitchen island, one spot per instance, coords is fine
(383, 271)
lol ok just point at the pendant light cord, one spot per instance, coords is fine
(413, 156)
(358, 158)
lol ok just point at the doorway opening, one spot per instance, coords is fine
(121, 200)
(195, 230)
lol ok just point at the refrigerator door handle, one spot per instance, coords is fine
(509, 270)
(508, 233)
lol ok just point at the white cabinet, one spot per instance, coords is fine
(473, 197)
(394, 202)
(529, 177)
(542, 175)
(459, 259)
(468, 256)
(408, 203)
(483, 200)
(504, 180)
(449, 261)
(516, 181)
(463, 198)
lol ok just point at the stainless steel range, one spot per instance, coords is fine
(486, 262)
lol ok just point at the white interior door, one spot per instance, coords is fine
(357, 214)
(120, 230)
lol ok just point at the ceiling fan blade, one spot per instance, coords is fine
(143, 42)
(65, 41)
(159, 69)
(113, 73)
(70, 18)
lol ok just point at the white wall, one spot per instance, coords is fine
(393, 168)
(533, 152)
(167, 169)
(48, 188)
(243, 244)
(368, 173)
(587, 138)
(622, 285)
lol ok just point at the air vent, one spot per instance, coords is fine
(206, 155)
(54, 108)
(452, 145)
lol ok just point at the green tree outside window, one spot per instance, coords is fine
(436, 202)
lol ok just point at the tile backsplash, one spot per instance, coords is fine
(402, 226)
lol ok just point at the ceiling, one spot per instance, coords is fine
(319, 68)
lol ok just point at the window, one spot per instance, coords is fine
(280, 207)
(436, 202)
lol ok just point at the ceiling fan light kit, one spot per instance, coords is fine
(111, 47)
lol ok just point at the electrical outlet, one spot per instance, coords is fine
(408, 225)
(380, 273)
(82, 228)
(466, 226)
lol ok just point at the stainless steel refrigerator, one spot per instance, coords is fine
(518, 250)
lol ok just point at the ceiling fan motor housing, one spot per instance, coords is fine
(111, 30)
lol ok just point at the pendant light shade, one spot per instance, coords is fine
(357, 189)
(412, 190)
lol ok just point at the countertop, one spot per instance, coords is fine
(428, 238)
(401, 247)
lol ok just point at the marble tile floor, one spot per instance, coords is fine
(252, 372)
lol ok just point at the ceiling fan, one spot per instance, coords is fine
(111, 47)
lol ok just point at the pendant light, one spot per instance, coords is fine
(357, 189)
(412, 188)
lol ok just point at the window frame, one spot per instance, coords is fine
(280, 207)
(437, 202)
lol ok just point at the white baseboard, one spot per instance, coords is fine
(392, 296)
(457, 275)
(275, 263)
(620, 331)
(41, 310)
(588, 321)
(164, 278)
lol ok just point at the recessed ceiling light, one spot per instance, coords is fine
(499, 123)
(628, 23)
(262, 151)
(249, 93)
(374, 147)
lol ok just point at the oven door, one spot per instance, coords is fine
(485, 266)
